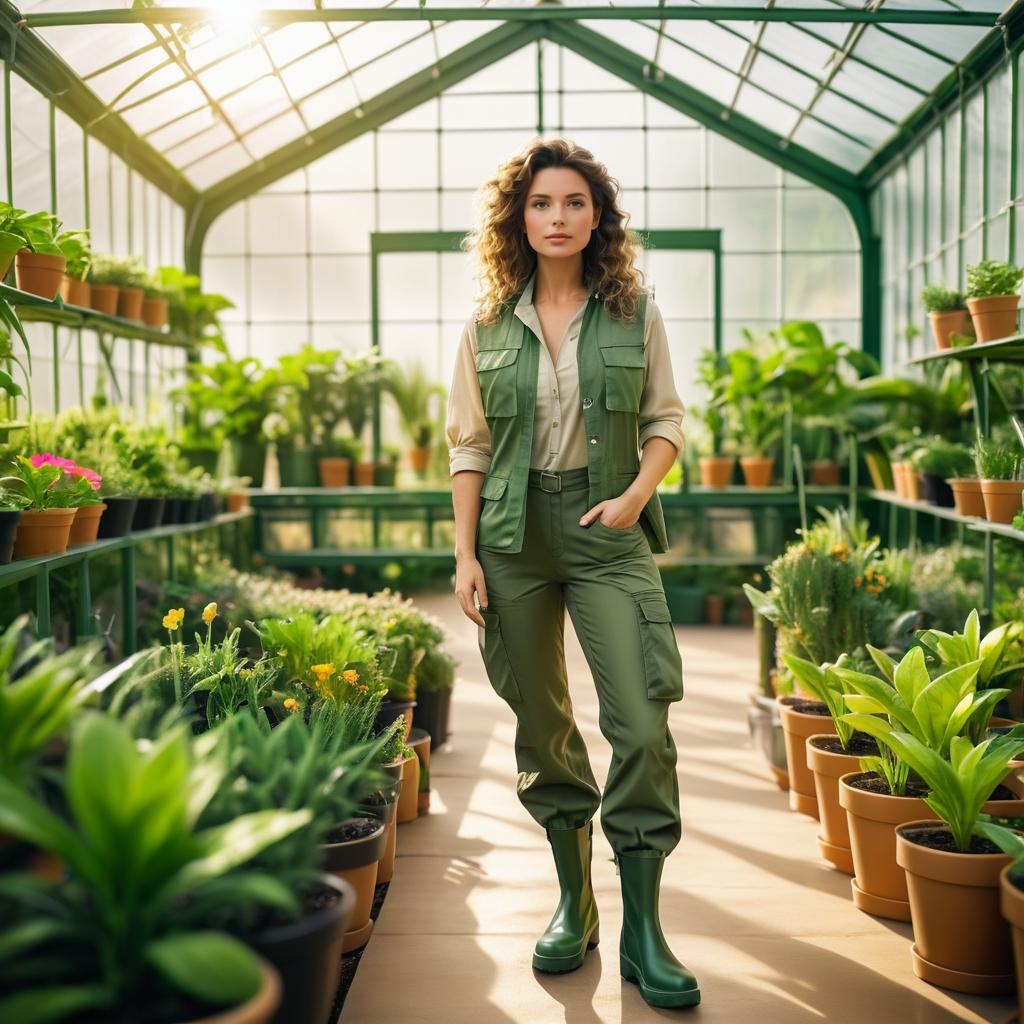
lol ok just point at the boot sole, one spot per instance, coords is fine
(564, 964)
(655, 996)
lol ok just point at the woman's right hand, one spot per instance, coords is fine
(469, 579)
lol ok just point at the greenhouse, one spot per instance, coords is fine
(477, 474)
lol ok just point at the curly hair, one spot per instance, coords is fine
(504, 255)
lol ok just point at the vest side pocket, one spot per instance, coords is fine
(495, 656)
(496, 371)
(663, 666)
(624, 367)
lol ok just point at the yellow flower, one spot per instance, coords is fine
(291, 704)
(171, 622)
(350, 675)
(245, 672)
(210, 612)
(390, 624)
(323, 672)
(282, 652)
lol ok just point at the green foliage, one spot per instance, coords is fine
(937, 298)
(996, 460)
(45, 486)
(411, 390)
(822, 683)
(993, 277)
(946, 584)
(191, 311)
(142, 881)
(123, 271)
(943, 458)
(77, 251)
(436, 671)
(38, 231)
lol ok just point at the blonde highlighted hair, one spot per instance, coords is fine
(504, 255)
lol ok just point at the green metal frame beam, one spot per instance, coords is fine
(540, 13)
(39, 65)
(379, 110)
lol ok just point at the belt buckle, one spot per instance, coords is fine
(554, 476)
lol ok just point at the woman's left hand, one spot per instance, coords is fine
(616, 513)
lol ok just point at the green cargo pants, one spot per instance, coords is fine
(608, 580)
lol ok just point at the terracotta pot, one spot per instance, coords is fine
(363, 474)
(897, 479)
(757, 471)
(827, 767)
(967, 495)
(74, 292)
(387, 813)
(39, 273)
(824, 473)
(333, 471)
(944, 324)
(154, 312)
(408, 798)
(419, 740)
(880, 885)
(1002, 499)
(419, 458)
(911, 482)
(129, 303)
(86, 524)
(237, 501)
(1011, 903)
(103, 298)
(43, 532)
(714, 609)
(257, 1010)
(716, 470)
(961, 940)
(797, 726)
(994, 316)
(356, 862)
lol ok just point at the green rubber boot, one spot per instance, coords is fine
(574, 927)
(644, 956)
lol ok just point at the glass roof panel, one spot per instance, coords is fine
(177, 130)
(314, 71)
(228, 74)
(201, 144)
(275, 134)
(319, 108)
(253, 104)
(294, 41)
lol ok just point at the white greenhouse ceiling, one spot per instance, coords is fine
(233, 81)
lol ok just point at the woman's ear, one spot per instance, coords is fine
(597, 218)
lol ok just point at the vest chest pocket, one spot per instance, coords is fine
(624, 367)
(496, 371)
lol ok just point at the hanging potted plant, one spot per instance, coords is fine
(39, 266)
(999, 467)
(948, 314)
(993, 293)
(75, 246)
(938, 463)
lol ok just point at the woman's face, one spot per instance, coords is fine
(559, 204)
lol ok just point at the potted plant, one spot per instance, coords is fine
(337, 456)
(75, 246)
(11, 241)
(937, 462)
(905, 476)
(716, 467)
(155, 304)
(357, 390)
(135, 914)
(419, 743)
(999, 468)
(236, 498)
(39, 265)
(128, 276)
(46, 520)
(993, 288)
(411, 390)
(103, 287)
(435, 679)
(90, 506)
(763, 718)
(1011, 885)
(12, 503)
(386, 469)
(947, 312)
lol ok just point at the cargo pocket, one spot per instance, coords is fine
(624, 367)
(495, 655)
(496, 371)
(663, 667)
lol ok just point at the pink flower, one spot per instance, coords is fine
(68, 465)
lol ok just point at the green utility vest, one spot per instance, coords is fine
(611, 366)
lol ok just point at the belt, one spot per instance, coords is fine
(553, 481)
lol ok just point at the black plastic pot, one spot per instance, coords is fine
(297, 466)
(389, 711)
(8, 528)
(250, 459)
(935, 490)
(307, 954)
(207, 507)
(148, 514)
(432, 714)
(189, 510)
(172, 512)
(357, 852)
(117, 517)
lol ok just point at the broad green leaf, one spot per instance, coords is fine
(911, 676)
(864, 705)
(208, 965)
(52, 1004)
(885, 664)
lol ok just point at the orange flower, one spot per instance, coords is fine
(291, 704)
(323, 672)
(350, 675)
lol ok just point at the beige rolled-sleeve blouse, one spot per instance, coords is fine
(559, 440)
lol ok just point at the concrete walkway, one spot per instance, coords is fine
(768, 928)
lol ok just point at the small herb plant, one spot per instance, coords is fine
(993, 277)
(129, 272)
(995, 460)
(939, 457)
(937, 298)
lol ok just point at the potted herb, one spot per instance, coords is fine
(155, 304)
(999, 467)
(716, 467)
(12, 503)
(38, 266)
(75, 246)
(128, 276)
(947, 312)
(993, 292)
(937, 462)
(337, 456)
(45, 522)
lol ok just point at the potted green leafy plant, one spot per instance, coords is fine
(999, 469)
(937, 462)
(716, 467)
(411, 391)
(947, 312)
(387, 466)
(358, 388)
(338, 453)
(155, 304)
(11, 241)
(77, 250)
(39, 265)
(45, 522)
(758, 426)
(993, 293)
(128, 275)
(191, 311)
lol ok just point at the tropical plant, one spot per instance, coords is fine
(38, 231)
(993, 277)
(937, 298)
(411, 390)
(132, 917)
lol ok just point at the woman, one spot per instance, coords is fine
(560, 379)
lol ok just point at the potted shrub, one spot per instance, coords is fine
(136, 913)
(155, 304)
(999, 468)
(39, 265)
(46, 520)
(12, 503)
(993, 288)
(947, 312)
(937, 462)
(75, 246)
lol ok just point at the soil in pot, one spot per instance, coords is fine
(961, 940)
(800, 719)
